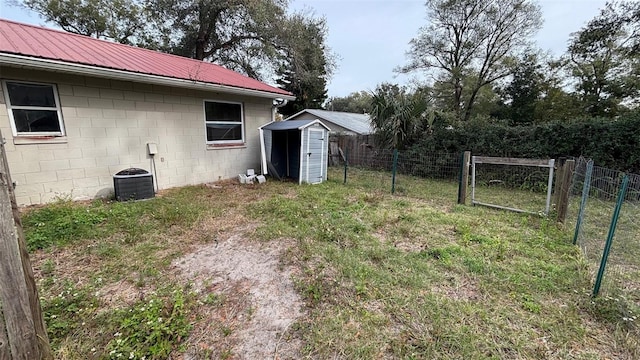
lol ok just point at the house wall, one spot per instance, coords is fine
(108, 124)
(336, 129)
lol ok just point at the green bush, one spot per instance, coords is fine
(610, 143)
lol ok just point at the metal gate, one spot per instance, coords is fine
(511, 162)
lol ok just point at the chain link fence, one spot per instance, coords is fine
(605, 206)
(427, 176)
(518, 187)
(404, 172)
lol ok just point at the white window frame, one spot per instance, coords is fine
(241, 141)
(10, 109)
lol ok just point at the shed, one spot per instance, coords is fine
(338, 122)
(296, 149)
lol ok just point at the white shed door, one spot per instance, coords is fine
(315, 148)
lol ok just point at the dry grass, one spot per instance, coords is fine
(381, 276)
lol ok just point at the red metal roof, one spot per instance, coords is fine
(39, 42)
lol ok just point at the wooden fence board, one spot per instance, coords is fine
(361, 148)
(510, 161)
(21, 311)
(5, 353)
(464, 178)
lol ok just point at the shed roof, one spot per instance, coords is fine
(358, 123)
(17, 40)
(292, 125)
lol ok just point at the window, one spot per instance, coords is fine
(34, 109)
(224, 122)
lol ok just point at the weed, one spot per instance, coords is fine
(48, 266)
(443, 254)
(213, 299)
(64, 221)
(69, 311)
(226, 331)
(226, 354)
(60, 223)
(529, 304)
(151, 328)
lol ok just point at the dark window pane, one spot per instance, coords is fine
(36, 121)
(223, 111)
(217, 132)
(31, 95)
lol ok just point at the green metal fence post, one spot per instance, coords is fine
(346, 164)
(612, 230)
(395, 168)
(583, 201)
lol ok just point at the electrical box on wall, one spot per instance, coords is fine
(152, 148)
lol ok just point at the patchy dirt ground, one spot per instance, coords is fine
(260, 302)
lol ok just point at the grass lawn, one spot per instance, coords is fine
(410, 276)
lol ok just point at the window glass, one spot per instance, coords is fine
(33, 109)
(34, 95)
(223, 111)
(223, 132)
(224, 122)
(36, 120)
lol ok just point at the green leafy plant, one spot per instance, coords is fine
(62, 222)
(68, 311)
(152, 328)
(613, 149)
(65, 221)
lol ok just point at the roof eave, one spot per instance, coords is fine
(296, 114)
(80, 69)
(263, 126)
(313, 122)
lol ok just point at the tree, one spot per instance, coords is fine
(307, 63)
(525, 90)
(485, 101)
(356, 102)
(520, 96)
(398, 117)
(536, 92)
(555, 103)
(124, 21)
(469, 43)
(604, 59)
(242, 35)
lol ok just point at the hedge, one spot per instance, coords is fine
(610, 143)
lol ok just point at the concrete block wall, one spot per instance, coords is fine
(108, 124)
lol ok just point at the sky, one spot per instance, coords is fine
(370, 37)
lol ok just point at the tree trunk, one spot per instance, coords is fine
(199, 55)
(23, 320)
(469, 105)
(457, 97)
